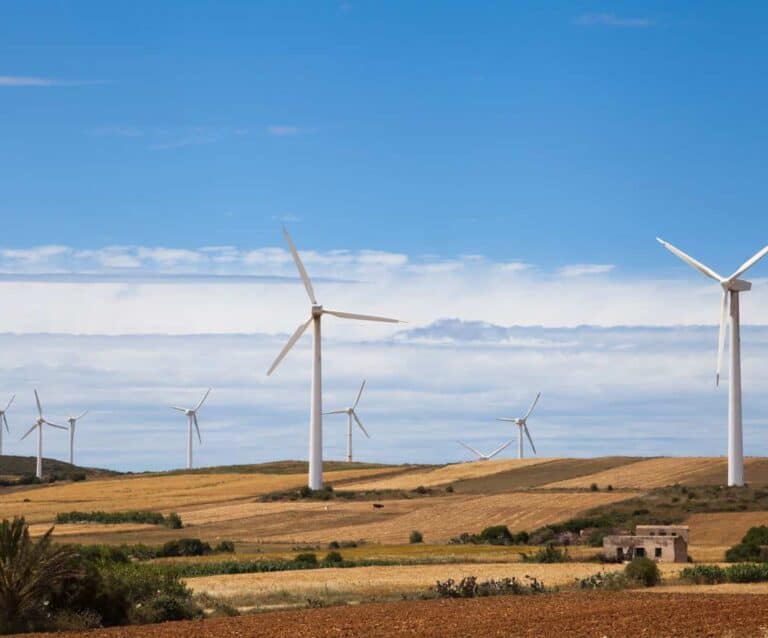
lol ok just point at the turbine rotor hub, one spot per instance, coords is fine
(317, 311)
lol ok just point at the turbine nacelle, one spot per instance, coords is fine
(737, 285)
(317, 311)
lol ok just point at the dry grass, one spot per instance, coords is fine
(648, 474)
(444, 475)
(160, 492)
(722, 588)
(712, 534)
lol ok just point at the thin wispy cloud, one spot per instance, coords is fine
(282, 130)
(580, 270)
(612, 20)
(21, 81)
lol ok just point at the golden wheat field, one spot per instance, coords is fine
(443, 475)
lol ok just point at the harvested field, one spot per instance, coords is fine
(576, 615)
(650, 473)
(712, 534)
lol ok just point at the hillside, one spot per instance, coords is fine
(16, 466)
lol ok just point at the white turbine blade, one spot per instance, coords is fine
(176, 407)
(5, 420)
(350, 315)
(471, 449)
(336, 412)
(749, 263)
(197, 427)
(28, 432)
(359, 394)
(54, 425)
(533, 405)
(9, 403)
(294, 338)
(360, 423)
(528, 434)
(39, 407)
(300, 266)
(507, 419)
(77, 418)
(499, 449)
(721, 336)
(200, 405)
(706, 270)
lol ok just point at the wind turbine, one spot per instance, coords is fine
(192, 420)
(4, 421)
(351, 414)
(731, 287)
(485, 457)
(317, 311)
(522, 425)
(39, 423)
(72, 423)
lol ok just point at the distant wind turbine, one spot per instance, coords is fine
(192, 421)
(72, 423)
(522, 426)
(485, 457)
(731, 287)
(4, 422)
(315, 481)
(351, 414)
(39, 423)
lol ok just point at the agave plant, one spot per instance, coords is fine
(28, 572)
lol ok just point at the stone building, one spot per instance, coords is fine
(664, 543)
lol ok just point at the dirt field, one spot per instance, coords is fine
(613, 615)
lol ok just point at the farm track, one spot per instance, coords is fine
(576, 615)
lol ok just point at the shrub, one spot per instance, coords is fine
(333, 558)
(644, 571)
(416, 537)
(496, 535)
(595, 538)
(308, 559)
(421, 490)
(750, 547)
(594, 488)
(703, 574)
(609, 488)
(111, 518)
(173, 521)
(747, 573)
(76, 477)
(225, 547)
(185, 547)
(548, 554)
(449, 489)
(604, 580)
(469, 587)
(334, 545)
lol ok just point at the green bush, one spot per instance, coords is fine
(548, 554)
(185, 547)
(112, 518)
(173, 521)
(334, 545)
(307, 558)
(225, 547)
(470, 587)
(416, 537)
(333, 558)
(496, 535)
(594, 488)
(750, 547)
(643, 571)
(704, 574)
(604, 580)
(76, 477)
(747, 573)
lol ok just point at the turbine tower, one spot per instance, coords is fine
(522, 426)
(317, 311)
(72, 423)
(39, 423)
(731, 287)
(192, 421)
(4, 422)
(485, 457)
(351, 414)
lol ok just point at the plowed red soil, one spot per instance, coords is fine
(592, 615)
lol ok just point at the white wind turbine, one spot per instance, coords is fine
(192, 421)
(4, 422)
(315, 481)
(72, 420)
(39, 423)
(485, 457)
(731, 287)
(522, 426)
(351, 414)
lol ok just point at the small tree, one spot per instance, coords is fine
(643, 571)
(416, 537)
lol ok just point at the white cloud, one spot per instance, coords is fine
(578, 270)
(170, 256)
(612, 20)
(36, 255)
(23, 81)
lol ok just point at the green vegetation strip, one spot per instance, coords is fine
(113, 518)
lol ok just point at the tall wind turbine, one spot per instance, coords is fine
(192, 421)
(522, 425)
(72, 423)
(351, 414)
(485, 457)
(39, 423)
(4, 422)
(316, 407)
(731, 287)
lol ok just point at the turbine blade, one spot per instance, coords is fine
(300, 266)
(176, 407)
(360, 423)
(199, 405)
(9, 403)
(336, 412)
(55, 425)
(499, 449)
(528, 434)
(350, 315)
(359, 394)
(470, 448)
(749, 263)
(5, 420)
(294, 338)
(533, 405)
(28, 432)
(706, 270)
(197, 427)
(721, 336)
(507, 419)
(77, 418)
(39, 407)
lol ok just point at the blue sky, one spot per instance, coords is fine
(494, 173)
